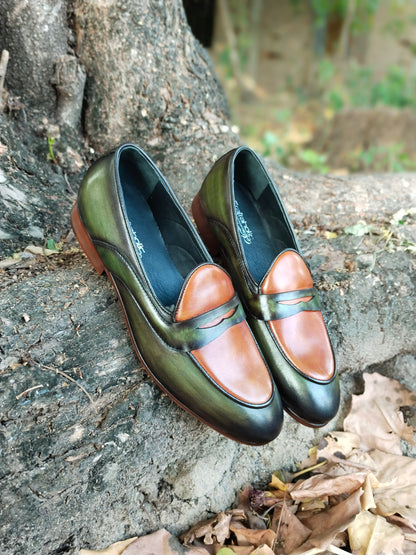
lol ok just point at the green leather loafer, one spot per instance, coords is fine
(240, 214)
(185, 320)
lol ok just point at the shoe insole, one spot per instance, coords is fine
(260, 249)
(161, 271)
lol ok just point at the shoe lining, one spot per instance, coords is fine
(260, 217)
(163, 243)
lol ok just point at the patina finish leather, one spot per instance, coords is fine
(230, 360)
(313, 354)
(191, 334)
(240, 215)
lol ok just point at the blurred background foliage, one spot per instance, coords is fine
(319, 85)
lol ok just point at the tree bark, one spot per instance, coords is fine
(150, 80)
(36, 35)
(81, 473)
(91, 451)
(91, 75)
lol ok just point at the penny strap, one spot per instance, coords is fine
(196, 332)
(272, 306)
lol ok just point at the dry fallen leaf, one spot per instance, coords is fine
(217, 527)
(160, 543)
(375, 416)
(337, 445)
(405, 526)
(113, 549)
(322, 485)
(263, 550)
(247, 536)
(351, 484)
(43, 251)
(372, 535)
(397, 491)
(326, 525)
(290, 531)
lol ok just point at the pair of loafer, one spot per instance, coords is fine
(232, 359)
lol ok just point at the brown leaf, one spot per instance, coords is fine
(337, 445)
(217, 527)
(160, 542)
(375, 416)
(396, 493)
(290, 532)
(367, 498)
(246, 536)
(408, 529)
(113, 549)
(245, 504)
(322, 485)
(327, 524)
(262, 550)
(372, 535)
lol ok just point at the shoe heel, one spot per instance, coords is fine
(204, 228)
(85, 241)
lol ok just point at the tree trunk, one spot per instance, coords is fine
(36, 35)
(148, 81)
(91, 451)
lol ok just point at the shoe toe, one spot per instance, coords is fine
(232, 361)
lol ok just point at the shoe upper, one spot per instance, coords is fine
(185, 318)
(259, 246)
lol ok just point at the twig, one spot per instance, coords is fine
(309, 469)
(26, 391)
(4, 60)
(67, 377)
(69, 184)
(280, 517)
(276, 538)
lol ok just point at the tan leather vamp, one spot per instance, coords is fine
(233, 359)
(302, 337)
(207, 287)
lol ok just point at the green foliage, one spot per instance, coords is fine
(283, 115)
(395, 27)
(361, 90)
(51, 245)
(359, 229)
(326, 71)
(269, 142)
(272, 147)
(394, 90)
(364, 16)
(324, 9)
(392, 158)
(335, 100)
(225, 61)
(314, 160)
(51, 155)
(225, 551)
(358, 85)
